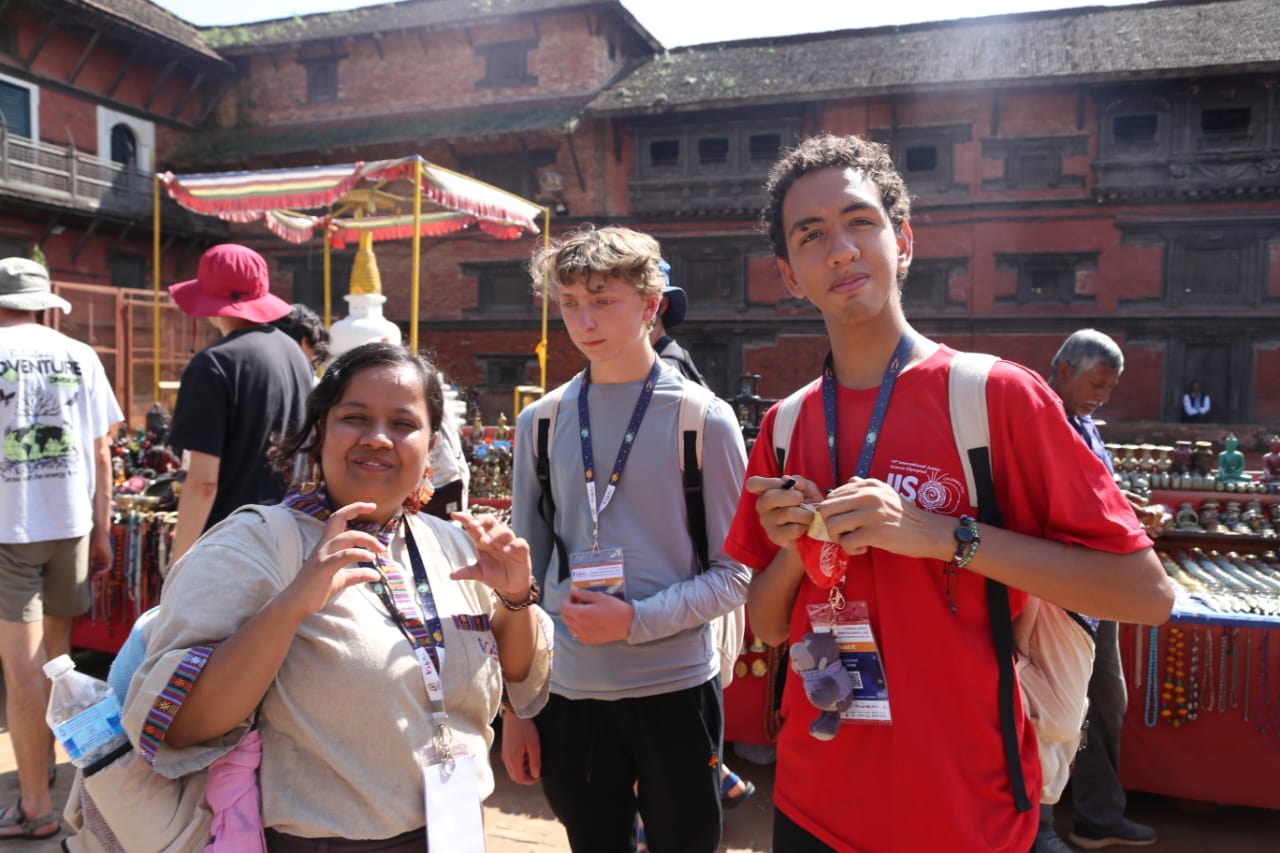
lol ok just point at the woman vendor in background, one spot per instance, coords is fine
(342, 669)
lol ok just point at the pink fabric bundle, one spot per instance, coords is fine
(233, 796)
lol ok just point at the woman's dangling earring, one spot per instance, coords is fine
(418, 499)
(312, 483)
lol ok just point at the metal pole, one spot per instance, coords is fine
(155, 288)
(328, 287)
(546, 304)
(417, 260)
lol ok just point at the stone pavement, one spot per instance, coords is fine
(518, 820)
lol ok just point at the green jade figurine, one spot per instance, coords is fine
(1231, 463)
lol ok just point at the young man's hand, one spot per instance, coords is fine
(521, 749)
(596, 617)
(783, 519)
(866, 513)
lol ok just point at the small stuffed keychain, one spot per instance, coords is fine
(816, 659)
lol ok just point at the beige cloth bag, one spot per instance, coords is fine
(126, 807)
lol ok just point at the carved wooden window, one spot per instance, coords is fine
(505, 370)
(322, 79)
(713, 150)
(711, 272)
(1047, 277)
(1226, 127)
(925, 155)
(764, 147)
(506, 64)
(515, 172)
(927, 283)
(503, 287)
(1210, 275)
(664, 153)
(1134, 129)
(308, 279)
(128, 271)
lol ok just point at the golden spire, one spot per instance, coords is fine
(364, 272)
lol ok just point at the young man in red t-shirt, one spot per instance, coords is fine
(931, 774)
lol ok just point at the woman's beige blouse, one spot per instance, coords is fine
(348, 707)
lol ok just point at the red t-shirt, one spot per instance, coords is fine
(935, 779)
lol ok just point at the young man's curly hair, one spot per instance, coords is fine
(821, 152)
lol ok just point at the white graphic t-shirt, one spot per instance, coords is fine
(54, 401)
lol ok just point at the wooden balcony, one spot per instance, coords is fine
(64, 176)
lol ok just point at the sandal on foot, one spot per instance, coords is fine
(15, 824)
(730, 800)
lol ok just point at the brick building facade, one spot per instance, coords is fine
(1115, 168)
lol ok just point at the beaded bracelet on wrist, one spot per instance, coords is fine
(534, 596)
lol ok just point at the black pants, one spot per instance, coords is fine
(666, 746)
(788, 837)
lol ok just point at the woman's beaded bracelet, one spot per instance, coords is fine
(534, 596)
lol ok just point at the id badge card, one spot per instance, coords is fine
(455, 821)
(860, 655)
(598, 571)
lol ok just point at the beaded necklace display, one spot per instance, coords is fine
(1223, 651)
(1264, 685)
(1207, 677)
(1173, 694)
(1193, 700)
(1235, 668)
(1150, 711)
(1248, 670)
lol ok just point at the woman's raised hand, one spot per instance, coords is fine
(502, 561)
(332, 565)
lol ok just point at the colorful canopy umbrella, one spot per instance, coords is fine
(350, 199)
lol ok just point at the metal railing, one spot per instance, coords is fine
(63, 175)
(117, 323)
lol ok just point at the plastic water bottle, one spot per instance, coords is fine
(84, 713)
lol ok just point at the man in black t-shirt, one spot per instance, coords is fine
(235, 394)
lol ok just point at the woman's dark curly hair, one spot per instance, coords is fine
(821, 152)
(308, 440)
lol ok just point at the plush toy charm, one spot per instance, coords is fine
(816, 659)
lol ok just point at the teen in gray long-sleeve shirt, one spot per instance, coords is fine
(670, 645)
(635, 719)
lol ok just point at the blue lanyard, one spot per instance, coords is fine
(896, 363)
(624, 451)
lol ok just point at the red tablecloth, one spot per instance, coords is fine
(1218, 758)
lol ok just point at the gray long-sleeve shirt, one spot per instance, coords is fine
(670, 646)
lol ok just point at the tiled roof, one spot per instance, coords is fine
(390, 17)
(149, 18)
(235, 144)
(1094, 43)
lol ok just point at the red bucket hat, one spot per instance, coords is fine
(232, 282)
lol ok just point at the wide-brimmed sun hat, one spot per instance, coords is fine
(677, 300)
(24, 286)
(232, 282)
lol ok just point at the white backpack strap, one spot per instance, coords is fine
(286, 535)
(545, 409)
(784, 423)
(695, 403)
(967, 397)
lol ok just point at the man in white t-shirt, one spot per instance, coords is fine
(56, 414)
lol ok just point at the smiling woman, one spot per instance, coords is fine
(381, 594)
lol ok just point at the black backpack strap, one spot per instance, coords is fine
(1001, 633)
(967, 400)
(695, 402)
(693, 502)
(544, 423)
